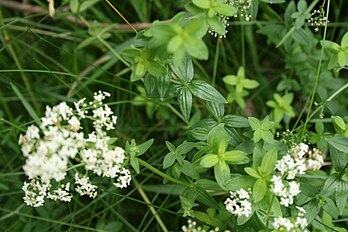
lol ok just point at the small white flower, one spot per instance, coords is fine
(61, 193)
(35, 192)
(84, 186)
(239, 204)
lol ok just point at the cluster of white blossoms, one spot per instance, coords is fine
(193, 227)
(297, 224)
(318, 19)
(239, 203)
(297, 162)
(242, 7)
(50, 147)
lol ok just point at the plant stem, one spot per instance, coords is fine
(317, 76)
(152, 209)
(113, 51)
(164, 175)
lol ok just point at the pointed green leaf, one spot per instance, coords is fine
(235, 157)
(185, 103)
(196, 48)
(254, 123)
(221, 173)
(252, 172)
(218, 139)
(225, 9)
(268, 162)
(142, 148)
(204, 4)
(206, 92)
(204, 197)
(344, 41)
(259, 190)
(209, 160)
(168, 160)
(184, 71)
(216, 24)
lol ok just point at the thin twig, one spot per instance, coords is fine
(28, 8)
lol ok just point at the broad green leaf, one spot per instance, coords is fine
(235, 121)
(185, 147)
(344, 41)
(221, 173)
(196, 27)
(209, 220)
(259, 190)
(142, 148)
(184, 71)
(339, 158)
(206, 92)
(341, 195)
(196, 48)
(257, 136)
(334, 47)
(341, 58)
(319, 127)
(339, 124)
(254, 123)
(230, 80)
(339, 143)
(175, 43)
(86, 4)
(185, 102)
(209, 160)
(157, 69)
(218, 139)
(252, 172)
(235, 157)
(204, 197)
(331, 208)
(268, 162)
(162, 84)
(239, 182)
(216, 109)
(267, 136)
(204, 4)
(74, 6)
(216, 24)
(250, 84)
(134, 163)
(168, 160)
(225, 9)
(312, 209)
(302, 5)
(188, 169)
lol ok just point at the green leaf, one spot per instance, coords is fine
(254, 123)
(225, 9)
(204, 4)
(157, 69)
(268, 162)
(250, 84)
(267, 136)
(175, 44)
(185, 103)
(216, 24)
(235, 157)
(216, 109)
(239, 182)
(206, 92)
(162, 84)
(319, 127)
(339, 158)
(235, 121)
(339, 143)
(185, 147)
(344, 41)
(168, 160)
(252, 172)
(74, 6)
(26, 104)
(218, 139)
(196, 48)
(86, 4)
(259, 190)
(204, 197)
(341, 58)
(221, 173)
(142, 148)
(134, 163)
(331, 208)
(257, 136)
(312, 209)
(188, 169)
(184, 71)
(209, 160)
(339, 124)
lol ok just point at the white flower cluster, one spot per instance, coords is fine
(242, 7)
(318, 19)
(296, 163)
(297, 224)
(36, 191)
(83, 186)
(49, 147)
(285, 190)
(239, 203)
(193, 227)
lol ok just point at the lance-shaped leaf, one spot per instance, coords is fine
(185, 102)
(221, 172)
(235, 157)
(209, 160)
(206, 92)
(218, 139)
(184, 71)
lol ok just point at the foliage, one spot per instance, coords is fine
(244, 130)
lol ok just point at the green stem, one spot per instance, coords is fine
(113, 51)
(216, 60)
(317, 76)
(148, 202)
(175, 111)
(337, 92)
(164, 175)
